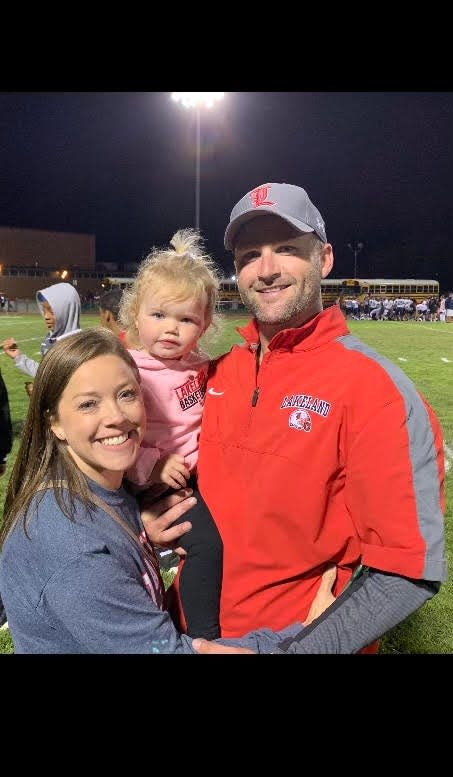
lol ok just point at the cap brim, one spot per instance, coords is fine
(234, 226)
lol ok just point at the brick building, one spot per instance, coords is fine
(31, 259)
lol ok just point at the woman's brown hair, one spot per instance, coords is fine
(42, 458)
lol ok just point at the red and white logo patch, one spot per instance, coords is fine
(259, 196)
(300, 420)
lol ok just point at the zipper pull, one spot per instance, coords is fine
(255, 396)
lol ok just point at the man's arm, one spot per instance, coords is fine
(370, 606)
(374, 603)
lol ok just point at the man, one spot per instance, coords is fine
(286, 466)
(109, 305)
(449, 308)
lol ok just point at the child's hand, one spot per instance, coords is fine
(171, 470)
(324, 598)
(10, 348)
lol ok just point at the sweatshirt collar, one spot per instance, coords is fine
(321, 329)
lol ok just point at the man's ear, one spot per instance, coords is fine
(326, 260)
(57, 429)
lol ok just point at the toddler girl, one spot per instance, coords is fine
(168, 308)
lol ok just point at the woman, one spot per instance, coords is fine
(77, 573)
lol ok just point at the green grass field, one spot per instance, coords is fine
(423, 350)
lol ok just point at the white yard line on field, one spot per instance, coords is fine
(448, 457)
(402, 359)
(439, 328)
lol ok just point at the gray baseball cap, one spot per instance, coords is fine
(289, 202)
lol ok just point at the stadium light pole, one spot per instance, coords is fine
(197, 100)
(355, 248)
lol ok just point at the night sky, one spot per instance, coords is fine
(121, 165)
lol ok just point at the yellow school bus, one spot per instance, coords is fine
(335, 290)
(110, 283)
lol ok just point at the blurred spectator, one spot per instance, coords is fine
(6, 432)
(449, 308)
(60, 307)
(6, 443)
(109, 305)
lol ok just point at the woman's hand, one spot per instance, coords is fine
(324, 597)
(158, 517)
(205, 648)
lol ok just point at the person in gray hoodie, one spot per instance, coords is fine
(60, 307)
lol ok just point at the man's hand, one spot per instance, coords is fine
(204, 647)
(158, 517)
(10, 348)
(171, 469)
(324, 597)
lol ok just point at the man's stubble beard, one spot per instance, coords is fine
(306, 301)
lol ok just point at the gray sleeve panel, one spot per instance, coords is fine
(367, 609)
(422, 451)
(26, 365)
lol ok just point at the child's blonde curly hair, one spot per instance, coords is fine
(183, 271)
